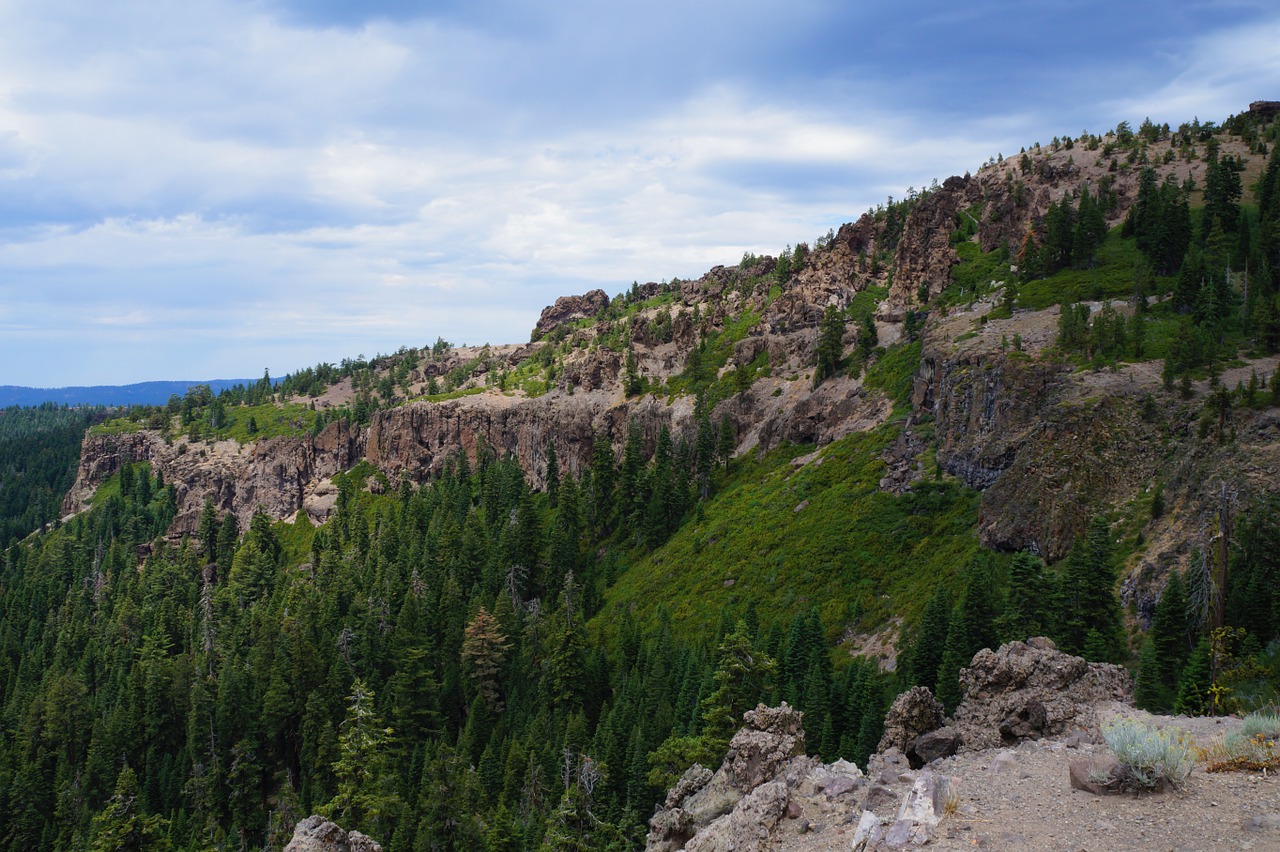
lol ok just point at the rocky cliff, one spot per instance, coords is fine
(1046, 443)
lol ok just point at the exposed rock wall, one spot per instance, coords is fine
(286, 475)
(1040, 440)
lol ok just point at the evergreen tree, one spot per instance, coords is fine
(553, 474)
(1028, 608)
(1090, 602)
(1194, 694)
(1165, 651)
(921, 665)
(365, 797)
(484, 652)
(830, 349)
(726, 440)
(743, 674)
(121, 827)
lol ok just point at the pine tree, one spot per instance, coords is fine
(1090, 602)
(1027, 610)
(830, 345)
(955, 656)
(726, 440)
(484, 652)
(365, 797)
(743, 675)
(553, 474)
(1148, 692)
(1194, 696)
(931, 638)
(1171, 635)
(120, 827)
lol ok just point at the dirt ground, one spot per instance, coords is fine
(1020, 799)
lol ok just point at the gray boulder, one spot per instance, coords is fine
(1028, 690)
(317, 834)
(913, 713)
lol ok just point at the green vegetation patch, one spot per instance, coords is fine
(1111, 278)
(894, 373)
(822, 534)
(117, 426)
(701, 371)
(266, 420)
(442, 397)
(866, 301)
(972, 276)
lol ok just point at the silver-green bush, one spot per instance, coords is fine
(1266, 725)
(1151, 758)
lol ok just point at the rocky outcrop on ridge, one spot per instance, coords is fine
(1046, 445)
(738, 805)
(768, 795)
(569, 308)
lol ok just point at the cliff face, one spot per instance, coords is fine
(285, 475)
(1046, 444)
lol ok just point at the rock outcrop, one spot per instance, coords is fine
(569, 308)
(741, 802)
(768, 795)
(1047, 445)
(317, 834)
(1028, 690)
(912, 713)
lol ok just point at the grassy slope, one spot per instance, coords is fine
(849, 544)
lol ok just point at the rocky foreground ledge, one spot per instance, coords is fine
(995, 776)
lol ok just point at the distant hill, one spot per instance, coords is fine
(142, 393)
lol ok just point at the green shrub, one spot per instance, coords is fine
(1150, 758)
(1261, 724)
(1251, 749)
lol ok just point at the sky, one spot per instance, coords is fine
(206, 189)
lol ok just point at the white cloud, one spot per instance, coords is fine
(223, 189)
(1221, 73)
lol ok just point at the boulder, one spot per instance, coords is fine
(913, 713)
(771, 736)
(693, 780)
(1028, 690)
(870, 831)
(1096, 775)
(570, 308)
(926, 802)
(929, 747)
(705, 809)
(317, 834)
(879, 798)
(747, 827)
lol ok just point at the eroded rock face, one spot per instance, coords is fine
(1028, 690)
(924, 256)
(738, 804)
(317, 834)
(569, 308)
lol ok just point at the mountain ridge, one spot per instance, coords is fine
(138, 393)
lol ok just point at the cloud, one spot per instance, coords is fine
(206, 189)
(1220, 74)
